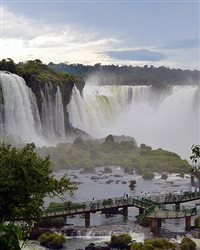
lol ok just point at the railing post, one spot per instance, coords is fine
(87, 219)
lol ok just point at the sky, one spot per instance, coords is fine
(129, 32)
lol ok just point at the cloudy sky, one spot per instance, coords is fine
(164, 32)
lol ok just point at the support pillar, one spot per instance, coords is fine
(87, 219)
(125, 211)
(141, 210)
(125, 214)
(188, 223)
(159, 223)
(156, 225)
(65, 219)
(192, 180)
(177, 206)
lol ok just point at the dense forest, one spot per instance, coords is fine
(129, 75)
(114, 151)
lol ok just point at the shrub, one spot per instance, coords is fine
(120, 241)
(147, 175)
(197, 222)
(53, 238)
(148, 247)
(143, 220)
(159, 243)
(188, 244)
(137, 246)
(107, 170)
(164, 176)
(126, 238)
(43, 238)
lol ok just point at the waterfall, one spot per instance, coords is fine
(20, 120)
(166, 117)
(59, 115)
(19, 123)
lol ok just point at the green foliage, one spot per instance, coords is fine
(197, 222)
(10, 234)
(107, 170)
(8, 65)
(160, 243)
(188, 244)
(113, 237)
(120, 241)
(126, 238)
(89, 154)
(130, 75)
(107, 202)
(147, 175)
(109, 139)
(137, 246)
(25, 180)
(151, 244)
(51, 237)
(143, 220)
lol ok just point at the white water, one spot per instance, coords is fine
(59, 115)
(161, 118)
(20, 120)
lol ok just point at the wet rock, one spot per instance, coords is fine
(92, 246)
(51, 245)
(109, 181)
(117, 175)
(36, 232)
(70, 231)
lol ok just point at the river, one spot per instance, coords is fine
(99, 186)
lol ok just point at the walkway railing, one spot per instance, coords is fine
(149, 204)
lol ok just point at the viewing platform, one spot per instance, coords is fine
(154, 207)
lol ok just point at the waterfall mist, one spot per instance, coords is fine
(161, 117)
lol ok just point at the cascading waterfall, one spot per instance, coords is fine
(166, 117)
(20, 119)
(59, 115)
(19, 123)
(161, 117)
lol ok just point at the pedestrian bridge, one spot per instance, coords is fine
(156, 207)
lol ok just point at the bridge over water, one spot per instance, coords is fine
(155, 207)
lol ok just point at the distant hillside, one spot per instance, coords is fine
(129, 75)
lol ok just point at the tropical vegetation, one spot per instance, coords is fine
(114, 150)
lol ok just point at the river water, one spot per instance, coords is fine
(101, 186)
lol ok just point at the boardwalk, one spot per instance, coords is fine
(154, 201)
(155, 207)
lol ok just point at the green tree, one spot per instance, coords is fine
(195, 157)
(25, 179)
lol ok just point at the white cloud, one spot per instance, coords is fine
(24, 39)
(27, 39)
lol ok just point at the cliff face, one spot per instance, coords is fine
(45, 81)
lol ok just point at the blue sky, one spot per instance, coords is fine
(110, 32)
